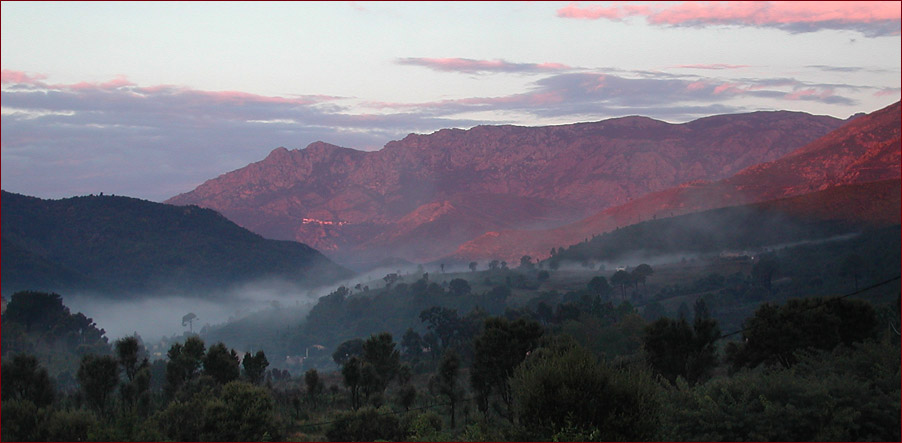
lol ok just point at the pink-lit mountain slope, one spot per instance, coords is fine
(420, 198)
(867, 149)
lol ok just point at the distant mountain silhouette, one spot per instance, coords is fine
(119, 245)
(866, 149)
(421, 197)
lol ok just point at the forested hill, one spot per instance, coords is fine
(819, 215)
(121, 244)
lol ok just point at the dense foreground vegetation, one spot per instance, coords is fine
(782, 347)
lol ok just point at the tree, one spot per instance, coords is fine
(315, 386)
(494, 264)
(641, 273)
(543, 276)
(255, 366)
(412, 344)
(98, 376)
(365, 425)
(599, 287)
(763, 271)
(443, 322)
(561, 387)
(379, 350)
(675, 349)
(184, 362)
(351, 376)
(25, 379)
(775, 334)
(621, 278)
(188, 319)
(128, 351)
(526, 262)
(498, 350)
(473, 265)
(221, 364)
(390, 279)
(458, 287)
(346, 350)
(445, 381)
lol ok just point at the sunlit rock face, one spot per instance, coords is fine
(421, 197)
(865, 150)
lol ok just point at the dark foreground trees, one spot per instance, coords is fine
(563, 391)
(775, 333)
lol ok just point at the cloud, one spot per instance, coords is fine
(470, 66)
(156, 141)
(660, 96)
(715, 66)
(872, 19)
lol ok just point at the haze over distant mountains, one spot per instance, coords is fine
(423, 197)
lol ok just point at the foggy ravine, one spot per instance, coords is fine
(153, 316)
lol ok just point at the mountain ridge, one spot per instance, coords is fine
(360, 205)
(865, 149)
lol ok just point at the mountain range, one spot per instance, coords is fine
(121, 245)
(426, 197)
(866, 149)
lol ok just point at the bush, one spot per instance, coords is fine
(565, 389)
(367, 424)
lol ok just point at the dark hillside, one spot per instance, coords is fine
(111, 243)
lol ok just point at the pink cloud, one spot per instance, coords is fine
(122, 84)
(8, 76)
(887, 92)
(573, 10)
(873, 18)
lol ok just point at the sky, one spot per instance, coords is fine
(150, 100)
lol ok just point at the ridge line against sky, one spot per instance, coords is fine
(151, 99)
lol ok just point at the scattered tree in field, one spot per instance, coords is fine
(494, 264)
(473, 265)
